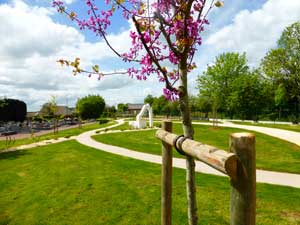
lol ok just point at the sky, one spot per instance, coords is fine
(33, 36)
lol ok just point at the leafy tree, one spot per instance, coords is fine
(46, 109)
(282, 66)
(149, 99)
(49, 110)
(248, 98)
(281, 99)
(159, 105)
(122, 108)
(90, 107)
(110, 111)
(216, 83)
(204, 105)
(166, 33)
(12, 110)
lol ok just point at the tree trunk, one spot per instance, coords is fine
(188, 132)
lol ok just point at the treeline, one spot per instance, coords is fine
(232, 89)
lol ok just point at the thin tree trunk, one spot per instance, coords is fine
(188, 132)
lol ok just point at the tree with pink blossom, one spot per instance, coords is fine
(164, 42)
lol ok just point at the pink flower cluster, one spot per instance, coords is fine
(171, 95)
(163, 37)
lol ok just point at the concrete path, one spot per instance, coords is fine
(277, 178)
(291, 136)
(285, 179)
(58, 140)
(41, 132)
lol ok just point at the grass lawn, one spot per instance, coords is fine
(68, 183)
(125, 126)
(64, 133)
(272, 153)
(279, 126)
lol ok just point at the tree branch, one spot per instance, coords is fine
(167, 36)
(168, 85)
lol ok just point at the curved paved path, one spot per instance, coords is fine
(291, 136)
(285, 179)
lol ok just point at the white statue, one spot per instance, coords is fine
(139, 123)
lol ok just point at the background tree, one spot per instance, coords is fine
(216, 83)
(149, 99)
(110, 111)
(248, 98)
(159, 105)
(12, 110)
(204, 105)
(281, 99)
(166, 33)
(49, 111)
(282, 66)
(122, 108)
(90, 107)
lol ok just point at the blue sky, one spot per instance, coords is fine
(36, 36)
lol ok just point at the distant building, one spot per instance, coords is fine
(64, 110)
(134, 109)
(30, 115)
(61, 110)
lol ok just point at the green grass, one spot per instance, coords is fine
(64, 133)
(125, 126)
(272, 153)
(68, 183)
(279, 126)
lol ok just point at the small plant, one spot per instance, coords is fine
(294, 119)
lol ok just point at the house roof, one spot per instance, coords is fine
(63, 110)
(135, 106)
(31, 114)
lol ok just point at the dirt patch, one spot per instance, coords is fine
(291, 216)
(215, 128)
(22, 174)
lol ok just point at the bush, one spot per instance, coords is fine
(12, 110)
(103, 120)
(294, 119)
(90, 107)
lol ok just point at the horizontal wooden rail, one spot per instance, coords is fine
(221, 160)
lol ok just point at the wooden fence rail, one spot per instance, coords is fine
(238, 164)
(219, 159)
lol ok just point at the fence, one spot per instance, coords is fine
(238, 164)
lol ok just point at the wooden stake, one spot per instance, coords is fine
(243, 188)
(166, 178)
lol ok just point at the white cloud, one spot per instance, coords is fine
(30, 48)
(33, 42)
(257, 31)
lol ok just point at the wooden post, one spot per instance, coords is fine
(166, 178)
(243, 188)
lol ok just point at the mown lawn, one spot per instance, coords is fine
(272, 153)
(64, 133)
(68, 183)
(295, 128)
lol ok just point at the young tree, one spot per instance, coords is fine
(164, 42)
(49, 109)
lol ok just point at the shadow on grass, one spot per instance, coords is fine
(13, 154)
